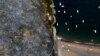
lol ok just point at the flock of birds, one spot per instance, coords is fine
(71, 16)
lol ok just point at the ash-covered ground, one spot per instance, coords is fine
(22, 29)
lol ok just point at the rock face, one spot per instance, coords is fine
(23, 31)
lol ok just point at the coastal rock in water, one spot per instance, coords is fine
(23, 31)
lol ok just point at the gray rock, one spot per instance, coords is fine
(22, 29)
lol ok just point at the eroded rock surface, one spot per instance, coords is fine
(22, 29)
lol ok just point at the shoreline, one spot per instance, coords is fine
(74, 48)
(77, 42)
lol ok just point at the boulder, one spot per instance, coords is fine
(25, 28)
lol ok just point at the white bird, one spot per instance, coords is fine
(68, 29)
(57, 24)
(58, 10)
(64, 11)
(60, 4)
(77, 11)
(71, 16)
(66, 23)
(95, 31)
(83, 21)
(76, 26)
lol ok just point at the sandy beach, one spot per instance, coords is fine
(76, 49)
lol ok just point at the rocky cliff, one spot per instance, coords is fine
(26, 28)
